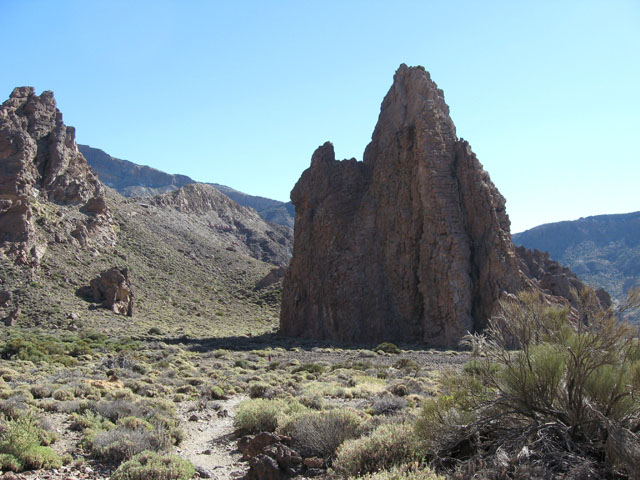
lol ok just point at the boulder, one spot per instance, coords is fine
(263, 467)
(252, 445)
(113, 290)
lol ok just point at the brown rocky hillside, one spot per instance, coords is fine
(193, 256)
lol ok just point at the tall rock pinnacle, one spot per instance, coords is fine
(411, 244)
(40, 161)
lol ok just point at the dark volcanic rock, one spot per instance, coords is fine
(412, 244)
(113, 289)
(39, 161)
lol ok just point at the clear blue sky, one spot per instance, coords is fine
(241, 92)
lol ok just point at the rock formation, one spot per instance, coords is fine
(39, 162)
(112, 289)
(411, 244)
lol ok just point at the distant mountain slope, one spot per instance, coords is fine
(128, 178)
(272, 211)
(133, 180)
(603, 250)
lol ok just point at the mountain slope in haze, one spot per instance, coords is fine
(273, 211)
(133, 180)
(604, 250)
(128, 178)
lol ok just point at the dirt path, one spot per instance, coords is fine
(209, 441)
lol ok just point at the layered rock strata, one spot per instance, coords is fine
(412, 244)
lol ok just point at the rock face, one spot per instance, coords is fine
(113, 290)
(411, 244)
(39, 162)
(553, 278)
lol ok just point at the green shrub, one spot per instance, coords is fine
(213, 392)
(410, 472)
(387, 446)
(318, 434)
(263, 415)
(387, 347)
(151, 466)
(313, 368)
(21, 446)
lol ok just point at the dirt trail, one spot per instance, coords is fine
(209, 441)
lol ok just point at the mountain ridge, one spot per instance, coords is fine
(603, 249)
(133, 180)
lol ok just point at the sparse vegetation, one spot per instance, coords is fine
(22, 446)
(551, 391)
(152, 466)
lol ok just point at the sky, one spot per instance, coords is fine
(242, 92)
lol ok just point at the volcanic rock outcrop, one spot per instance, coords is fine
(40, 162)
(411, 244)
(112, 289)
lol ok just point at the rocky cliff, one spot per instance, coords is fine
(411, 244)
(40, 162)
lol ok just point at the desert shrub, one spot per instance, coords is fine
(21, 446)
(318, 434)
(63, 394)
(152, 466)
(405, 472)
(89, 420)
(562, 385)
(130, 437)
(263, 415)
(387, 446)
(40, 391)
(115, 409)
(388, 405)
(406, 364)
(313, 368)
(387, 347)
(213, 392)
(259, 390)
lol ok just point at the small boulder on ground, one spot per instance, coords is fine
(113, 289)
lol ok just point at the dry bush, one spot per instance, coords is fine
(318, 434)
(551, 388)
